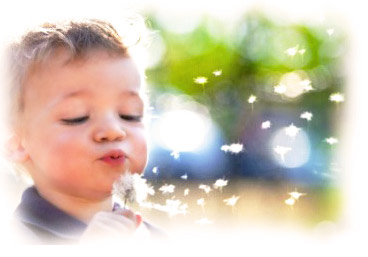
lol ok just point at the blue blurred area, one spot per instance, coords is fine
(253, 59)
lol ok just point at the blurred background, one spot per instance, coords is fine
(247, 110)
(250, 101)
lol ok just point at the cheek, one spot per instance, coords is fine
(56, 149)
(140, 150)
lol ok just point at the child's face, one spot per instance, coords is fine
(79, 119)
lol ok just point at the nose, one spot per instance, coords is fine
(109, 130)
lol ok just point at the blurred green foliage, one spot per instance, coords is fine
(252, 58)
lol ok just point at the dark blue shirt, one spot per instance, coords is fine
(50, 224)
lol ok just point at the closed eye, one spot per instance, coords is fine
(75, 121)
(133, 118)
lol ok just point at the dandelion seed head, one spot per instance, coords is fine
(217, 72)
(266, 124)
(337, 97)
(123, 188)
(233, 148)
(252, 99)
(200, 80)
(132, 188)
(290, 201)
(292, 130)
(306, 115)
(166, 189)
(232, 200)
(332, 140)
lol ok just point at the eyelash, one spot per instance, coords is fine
(80, 120)
(75, 121)
(131, 118)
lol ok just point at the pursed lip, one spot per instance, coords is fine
(114, 157)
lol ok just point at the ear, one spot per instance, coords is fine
(14, 149)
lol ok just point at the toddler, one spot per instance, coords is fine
(77, 125)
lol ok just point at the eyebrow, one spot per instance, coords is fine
(72, 94)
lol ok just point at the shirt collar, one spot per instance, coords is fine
(35, 210)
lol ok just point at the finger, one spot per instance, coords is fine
(128, 214)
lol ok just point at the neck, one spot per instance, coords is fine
(80, 208)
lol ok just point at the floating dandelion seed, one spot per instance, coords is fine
(219, 184)
(282, 150)
(308, 88)
(292, 50)
(175, 154)
(154, 170)
(172, 207)
(232, 200)
(183, 208)
(279, 89)
(290, 201)
(330, 32)
(332, 140)
(307, 85)
(201, 202)
(217, 72)
(142, 188)
(252, 99)
(292, 130)
(200, 80)
(167, 189)
(337, 97)
(186, 191)
(296, 195)
(306, 115)
(204, 221)
(185, 176)
(233, 148)
(205, 188)
(266, 124)
(302, 51)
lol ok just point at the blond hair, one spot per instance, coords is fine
(78, 37)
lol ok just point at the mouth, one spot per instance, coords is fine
(114, 158)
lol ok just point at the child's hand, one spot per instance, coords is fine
(111, 226)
